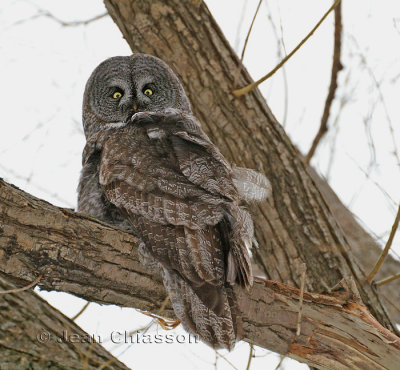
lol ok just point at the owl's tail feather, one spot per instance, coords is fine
(219, 330)
(240, 235)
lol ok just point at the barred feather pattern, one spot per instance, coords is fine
(161, 177)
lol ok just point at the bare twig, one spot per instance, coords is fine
(281, 43)
(216, 361)
(85, 364)
(390, 201)
(280, 362)
(106, 364)
(9, 172)
(382, 100)
(165, 324)
(47, 14)
(81, 311)
(248, 88)
(250, 357)
(336, 67)
(23, 288)
(388, 280)
(344, 99)
(385, 251)
(245, 44)
(224, 358)
(239, 26)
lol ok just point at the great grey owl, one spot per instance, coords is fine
(149, 167)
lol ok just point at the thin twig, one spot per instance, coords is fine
(239, 26)
(9, 173)
(336, 68)
(344, 99)
(281, 44)
(388, 280)
(85, 365)
(165, 324)
(47, 14)
(106, 364)
(224, 358)
(81, 311)
(385, 251)
(246, 89)
(17, 290)
(391, 202)
(397, 308)
(250, 357)
(382, 100)
(245, 44)
(280, 362)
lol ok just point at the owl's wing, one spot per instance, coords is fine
(174, 187)
(175, 176)
(198, 159)
(202, 163)
(176, 218)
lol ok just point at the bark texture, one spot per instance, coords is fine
(97, 262)
(296, 225)
(68, 250)
(82, 256)
(35, 335)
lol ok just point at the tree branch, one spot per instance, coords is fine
(34, 335)
(336, 68)
(83, 256)
(253, 85)
(71, 251)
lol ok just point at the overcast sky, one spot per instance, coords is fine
(44, 67)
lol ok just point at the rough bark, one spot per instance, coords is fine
(93, 260)
(296, 225)
(35, 335)
(68, 249)
(365, 248)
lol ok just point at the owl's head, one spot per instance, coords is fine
(123, 85)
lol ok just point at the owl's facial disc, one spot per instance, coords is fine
(122, 86)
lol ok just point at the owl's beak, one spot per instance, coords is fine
(134, 108)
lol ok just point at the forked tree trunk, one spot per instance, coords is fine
(296, 225)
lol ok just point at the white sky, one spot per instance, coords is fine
(44, 67)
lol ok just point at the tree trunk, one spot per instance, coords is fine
(296, 225)
(35, 335)
(95, 261)
(85, 257)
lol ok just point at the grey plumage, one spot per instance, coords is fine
(149, 167)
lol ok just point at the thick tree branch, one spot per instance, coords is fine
(35, 335)
(71, 251)
(85, 257)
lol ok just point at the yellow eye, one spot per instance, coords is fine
(148, 92)
(117, 95)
